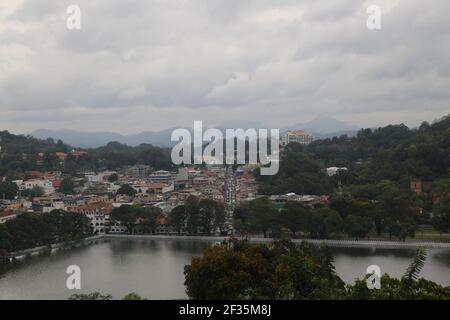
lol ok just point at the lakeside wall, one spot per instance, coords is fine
(331, 243)
(54, 247)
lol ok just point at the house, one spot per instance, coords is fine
(54, 205)
(46, 185)
(77, 153)
(6, 215)
(62, 156)
(157, 188)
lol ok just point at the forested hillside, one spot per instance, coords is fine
(21, 153)
(374, 196)
(394, 153)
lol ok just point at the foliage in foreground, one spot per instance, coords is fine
(102, 296)
(280, 270)
(283, 270)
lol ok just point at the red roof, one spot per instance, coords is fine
(77, 153)
(298, 132)
(61, 155)
(6, 213)
(35, 173)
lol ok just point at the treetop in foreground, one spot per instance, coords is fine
(284, 271)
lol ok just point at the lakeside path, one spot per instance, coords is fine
(330, 243)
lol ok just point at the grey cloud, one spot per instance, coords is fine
(163, 63)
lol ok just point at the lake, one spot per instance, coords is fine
(154, 268)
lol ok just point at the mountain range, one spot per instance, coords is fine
(321, 127)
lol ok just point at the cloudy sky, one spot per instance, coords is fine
(151, 64)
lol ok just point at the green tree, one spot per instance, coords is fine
(295, 216)
(8, 190)
(357, 227)
(127, 215)
(127, 190)
(193, 214)
(67, 226)
(325, 222)
(151, 216)
(66, 186)
(281, 270)
(113, 178)
(298, 173)
(36, 191)
(5, 243)
(400, 229)
(212, 215)
(28, 230)
(257, 216)
(132, 296)
(177, 217)
(441, 215)
(90, 296)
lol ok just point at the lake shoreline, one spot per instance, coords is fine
(17, 255)
(329, 242)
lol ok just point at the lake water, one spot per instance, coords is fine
(154, 268)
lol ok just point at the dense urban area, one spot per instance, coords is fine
(389, 183)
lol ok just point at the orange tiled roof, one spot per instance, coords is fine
(103, 206)
(6, 213)
(298, 132)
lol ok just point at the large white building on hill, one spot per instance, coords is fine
(297, 136)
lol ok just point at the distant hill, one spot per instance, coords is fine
(325, 126)
(321, 127)
(96, 139)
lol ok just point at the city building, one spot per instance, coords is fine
(98, 213)
(161, 176)
(139, 171)
(332, 171)
(46, 185)
(297, 136)
(6, 215)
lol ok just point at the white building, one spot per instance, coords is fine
(161, 176)
(55, 205)
(332, 171)
(46, 185)
(98, 214)
(298, 136)
(7, 215)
